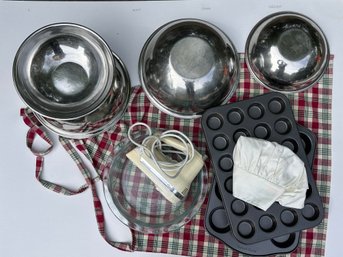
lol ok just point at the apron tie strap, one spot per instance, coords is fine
(31, 121)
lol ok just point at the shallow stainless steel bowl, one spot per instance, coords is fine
(63, 71)
(104, 117)
(188, 66)
(287, 52)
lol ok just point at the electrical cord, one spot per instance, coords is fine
(170, 166)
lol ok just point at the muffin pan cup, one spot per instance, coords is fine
(218, 225)
(268, 117)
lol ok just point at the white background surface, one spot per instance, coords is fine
(35, 222)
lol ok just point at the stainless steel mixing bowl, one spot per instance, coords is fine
(287, 52)
(63, 71)
(104, 117)
(188, 66)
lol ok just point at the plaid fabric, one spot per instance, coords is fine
(312, 109)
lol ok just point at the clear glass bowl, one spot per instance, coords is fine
(135, 201)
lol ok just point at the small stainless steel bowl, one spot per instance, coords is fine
(109, 112)
(287, 52)
(188, 66)
(63, 71)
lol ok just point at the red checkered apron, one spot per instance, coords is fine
(311, 108)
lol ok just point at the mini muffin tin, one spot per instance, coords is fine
(268, 117)
(217, 222)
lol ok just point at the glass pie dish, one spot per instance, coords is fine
(135, 201)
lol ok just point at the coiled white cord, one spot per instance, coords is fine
(168, 167)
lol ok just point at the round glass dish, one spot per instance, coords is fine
(136, 202)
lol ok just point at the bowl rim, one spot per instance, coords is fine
(71, 114)
(169, 24)
(312, 23)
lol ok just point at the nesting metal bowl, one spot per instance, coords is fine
(69, 77)
(287, 52)
(63, 71)
(188, 66)
(104, 117)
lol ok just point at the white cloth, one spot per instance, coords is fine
(265, 172)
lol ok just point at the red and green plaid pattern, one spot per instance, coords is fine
(312, 109)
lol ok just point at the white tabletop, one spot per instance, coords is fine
(35, 222)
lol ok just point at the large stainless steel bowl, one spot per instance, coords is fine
(188, 66)
(287, 52)
(71, 80)
(63, 71)
(104, 117)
